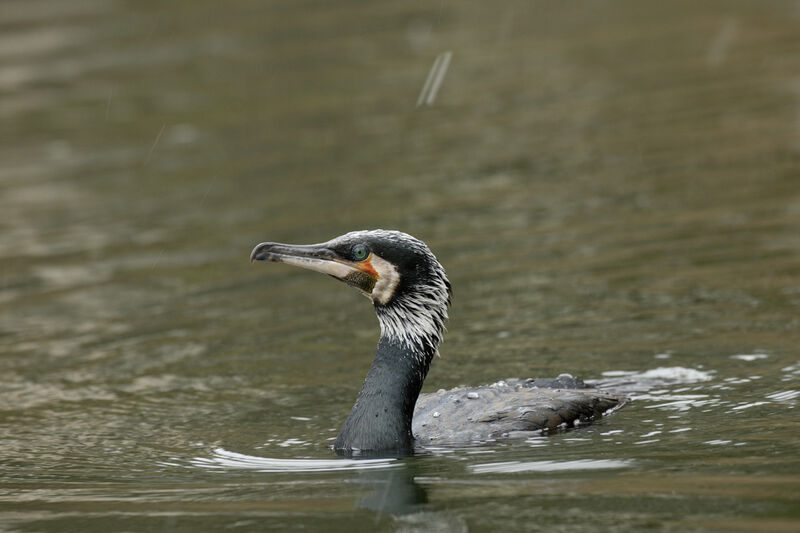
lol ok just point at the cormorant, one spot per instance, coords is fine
(411, 294)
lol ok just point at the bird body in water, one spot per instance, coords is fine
(411, 294)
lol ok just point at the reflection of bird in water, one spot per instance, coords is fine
(411, 295)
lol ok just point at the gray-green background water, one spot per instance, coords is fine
(613, 187)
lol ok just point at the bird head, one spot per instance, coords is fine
(396, 271)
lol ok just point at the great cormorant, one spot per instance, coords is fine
(411, 294)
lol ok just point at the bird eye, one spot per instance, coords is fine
(360, 252)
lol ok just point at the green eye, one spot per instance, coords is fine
(360, 252)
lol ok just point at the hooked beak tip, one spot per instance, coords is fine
(256, 255)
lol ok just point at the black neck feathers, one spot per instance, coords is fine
(381, 417)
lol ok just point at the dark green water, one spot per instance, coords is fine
(612, 186)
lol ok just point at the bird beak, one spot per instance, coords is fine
(319, 258)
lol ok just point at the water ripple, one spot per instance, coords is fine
(549, 466)
(222, 459)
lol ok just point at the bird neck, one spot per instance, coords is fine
(380, 420)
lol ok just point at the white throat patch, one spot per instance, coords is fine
(388, 278)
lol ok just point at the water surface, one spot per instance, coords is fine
(614, 189)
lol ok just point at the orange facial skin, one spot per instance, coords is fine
(366, 266)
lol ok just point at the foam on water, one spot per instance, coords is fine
(672, 374)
